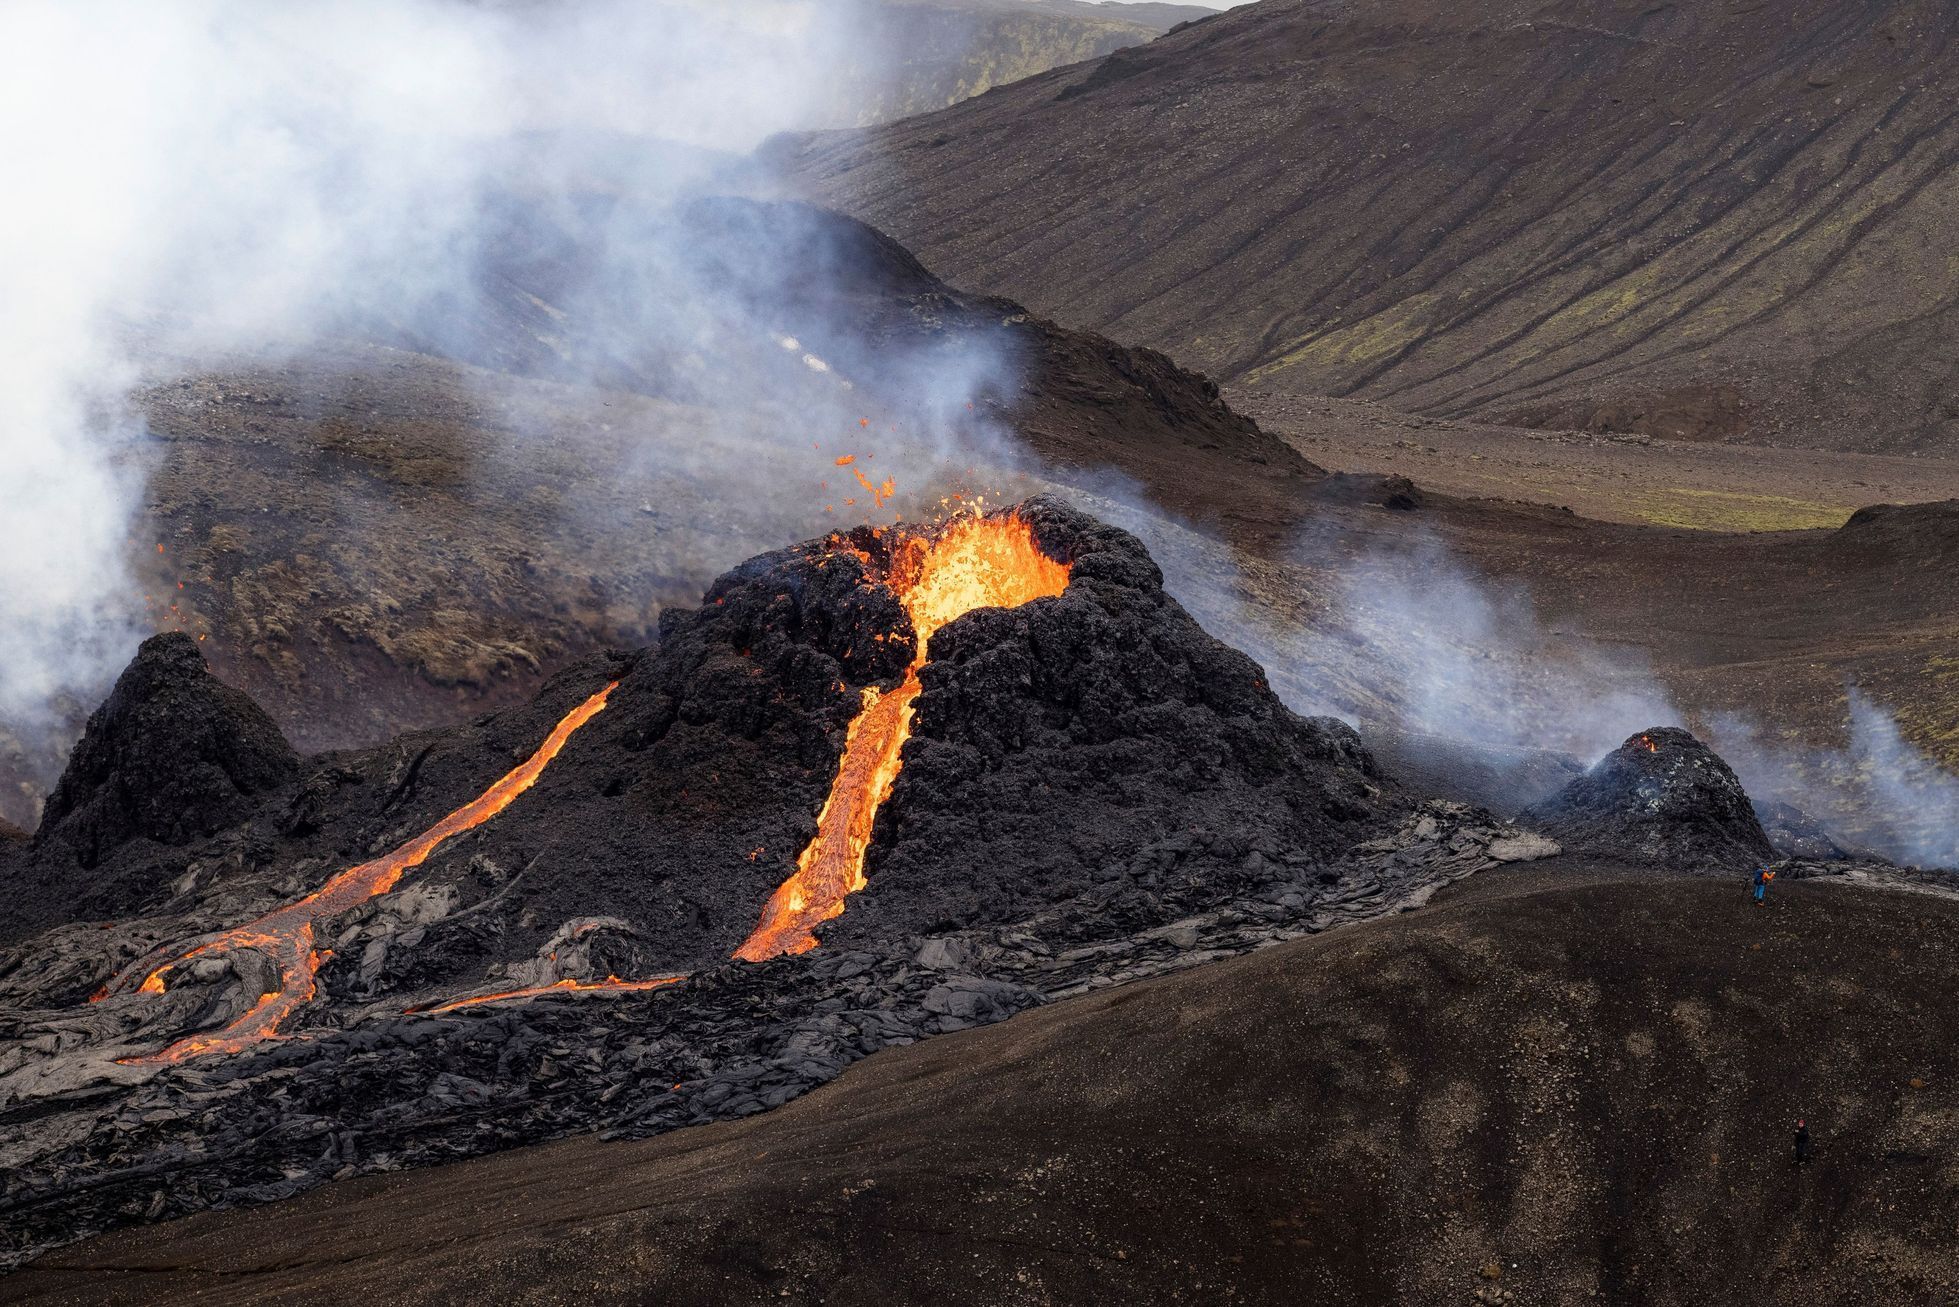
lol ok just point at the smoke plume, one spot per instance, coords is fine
(1397, 631)
(199, 181)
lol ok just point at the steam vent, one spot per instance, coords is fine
(878, 786)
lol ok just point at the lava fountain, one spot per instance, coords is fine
(285, 936)
(972, 562)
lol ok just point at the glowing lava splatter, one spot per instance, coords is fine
(974, 562)
(285, 936)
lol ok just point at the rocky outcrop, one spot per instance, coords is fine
(1793, 833)
(173, 755)
(1662, 798)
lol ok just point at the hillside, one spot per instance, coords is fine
(933, 53)
(1557, 1085)
(1711, 222)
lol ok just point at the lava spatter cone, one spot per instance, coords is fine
(172, 755)
(1096, 741)
(1663, 798)
(869, 736)
(970, 563)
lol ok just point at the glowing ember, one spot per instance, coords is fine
(285, 936)
(1651, 747)
(973, 563)
(568, 985)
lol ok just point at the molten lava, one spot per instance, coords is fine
(568, 985)
(974, 562)
(285, 936)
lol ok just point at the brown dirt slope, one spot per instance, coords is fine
(1610, 477)
(1688, 220)
(932, 53)
(1574, 1088)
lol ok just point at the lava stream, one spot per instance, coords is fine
(611, 984)
(975, 562)
(285, 935)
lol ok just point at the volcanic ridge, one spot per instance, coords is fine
(1705, 222)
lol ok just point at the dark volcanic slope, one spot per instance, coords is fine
(1694, 219)
(1588, 1089)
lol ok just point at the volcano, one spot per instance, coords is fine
(881, 785)
(172, 755)
(1663, 798)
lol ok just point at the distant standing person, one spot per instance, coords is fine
(1802, 1143)
(1762, 878)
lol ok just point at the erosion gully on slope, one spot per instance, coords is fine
(969, 563)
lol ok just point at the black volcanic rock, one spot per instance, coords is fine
(174, 754)
(1796, 834)
(1661, 797)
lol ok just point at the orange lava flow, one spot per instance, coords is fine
(975, 562)
(285, 935)
(611, 984)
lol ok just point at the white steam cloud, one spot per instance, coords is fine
(1877, 787)
(1401, 633)
(191, 181)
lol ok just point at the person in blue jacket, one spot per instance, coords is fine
(1762, 878)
